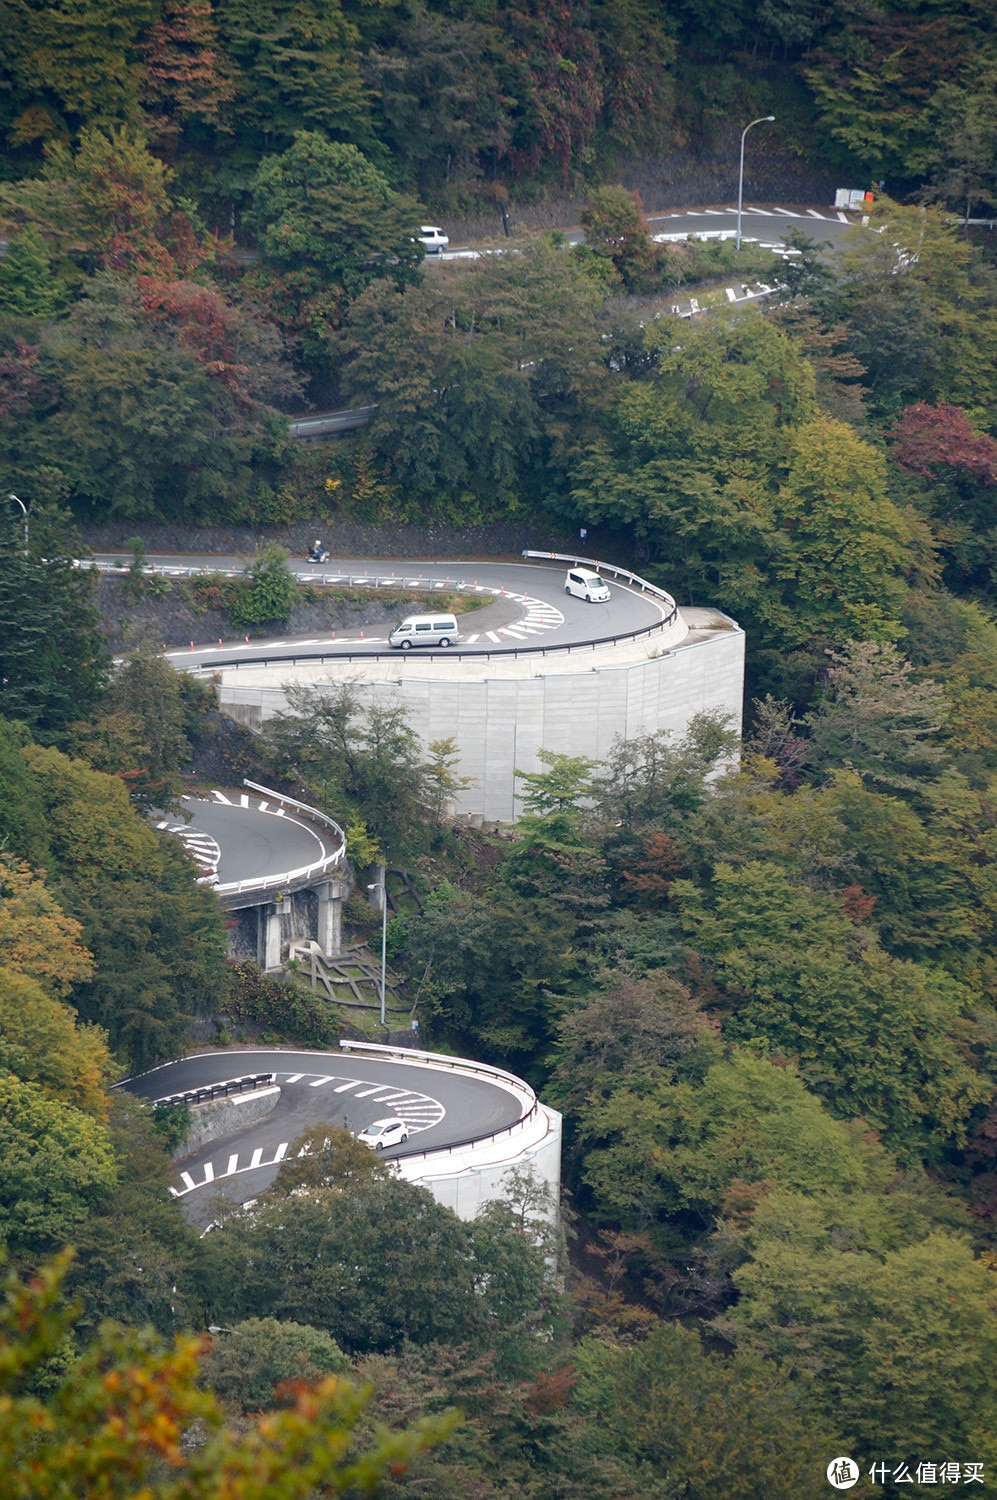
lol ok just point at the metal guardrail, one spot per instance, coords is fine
(218, 1090)
(288, 877)
(319, 424)
(457, 1065)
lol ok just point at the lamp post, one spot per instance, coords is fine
(25, 509)
(382, 886)
(762, 120)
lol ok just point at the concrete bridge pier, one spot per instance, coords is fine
(330, 917)
(268, 936)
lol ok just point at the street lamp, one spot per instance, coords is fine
(25, 509)
(762, 120)
(381, 885)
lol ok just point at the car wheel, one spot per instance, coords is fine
(404, 1139)
(445, 641)
(566, 589)
(406, 645)
(378, 1146)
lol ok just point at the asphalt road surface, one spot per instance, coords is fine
(441, 1108)
(531, 610)
(764, 226)
(243, 837)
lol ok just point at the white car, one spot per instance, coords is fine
(584, 584)
(433, 239)
(384, 1133)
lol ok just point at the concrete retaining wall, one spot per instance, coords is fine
(502, 712)
(219, 1117)
(465, 1178)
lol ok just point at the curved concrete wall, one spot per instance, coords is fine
(464, 1178)
(503, 711)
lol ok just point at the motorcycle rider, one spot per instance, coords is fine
(316, 554)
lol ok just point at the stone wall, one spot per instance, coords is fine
(216, 1118)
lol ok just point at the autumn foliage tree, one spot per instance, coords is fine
(117, 1423)
(187, 76)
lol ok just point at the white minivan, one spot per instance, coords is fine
(585, 584)
(434, 239)
(425, 630)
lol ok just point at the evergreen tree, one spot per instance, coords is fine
(28, 288)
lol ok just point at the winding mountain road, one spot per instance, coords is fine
(441, 1106)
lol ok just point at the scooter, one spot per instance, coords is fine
(316, 555)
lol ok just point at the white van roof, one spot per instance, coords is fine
(587, 573)
(430, 619)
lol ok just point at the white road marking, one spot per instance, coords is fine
(209, 1172)
(814, 214)
(843, 217)
(344, 1086)
(294, 1078)
(472, 638)
(367, 1092)
(220, 797)
(492, 636)
(318, 1082)
(244, 799)
(233, 1163)
(257, 1158)
(264, 806)
(281, 1151)
(186, 1177)
(516, 634)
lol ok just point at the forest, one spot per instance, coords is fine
(763, 992)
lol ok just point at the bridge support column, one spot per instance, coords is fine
(330, 917)
(268, 937)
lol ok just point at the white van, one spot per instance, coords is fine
(585, 584)
(425, 630)
(434, 239)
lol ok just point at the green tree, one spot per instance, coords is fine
(28, 288)
(115, 1424)
(847, 550)
(669, 1145)
(301, 70)
(328, 224)
(365, 753)
(271, 593)
(895, 1347)
(876, 718)
(146, 1277)
(54, 660)
(439, 97)
(728, 1427)
(323, 1157)
(247, 1365)
(617, 231)
(918, 303)
(376, 1266)
(442, 781)
(141, 735)
(58, 1162)
(41, 1043)
(816, 987)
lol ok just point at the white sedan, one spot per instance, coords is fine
(383, 1133)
